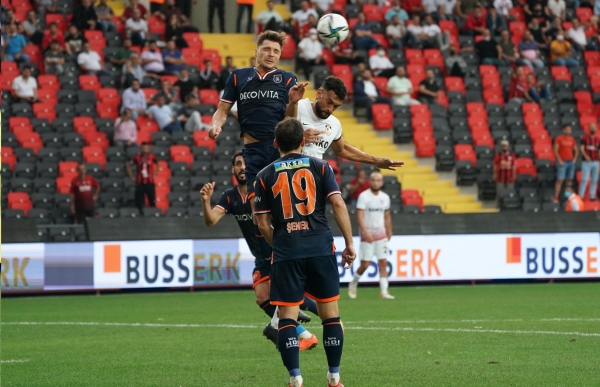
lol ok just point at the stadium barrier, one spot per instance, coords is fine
(209, 263)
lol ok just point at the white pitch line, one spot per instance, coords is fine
(15, 361)
(480, 320)
(350, 327)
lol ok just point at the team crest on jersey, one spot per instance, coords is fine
(277, 78)
(328, 130)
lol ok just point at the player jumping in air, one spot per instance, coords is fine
(291, 194)
(235, 201)
(375, 222)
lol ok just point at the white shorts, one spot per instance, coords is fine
(376, 249)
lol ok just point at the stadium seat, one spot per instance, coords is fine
(383, 116)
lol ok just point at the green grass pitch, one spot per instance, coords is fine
(482, 335)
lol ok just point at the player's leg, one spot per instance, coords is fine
(381, 252)
(309, 305)
(289, 344)
(366, 251)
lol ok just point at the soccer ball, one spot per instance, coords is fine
(333, 29)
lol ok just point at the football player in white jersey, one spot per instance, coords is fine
(375, 223)
(322, 130)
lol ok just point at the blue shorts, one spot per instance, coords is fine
(317, 277)
(257, 156)
(262, 270)
(566, 171)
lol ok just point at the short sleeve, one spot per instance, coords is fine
(330, 185)
(134, 160)
(261, 205)
(387, 203)
(361, 202)
(230, 94)
(95, 183)
(339, 131)
(224, 202)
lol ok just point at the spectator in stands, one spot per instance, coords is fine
(590, 166)
(32, 28)
(489, 50)
(357, 186)
(54, 59)
(189, 115)
(344, 52)
(134, 4)
(537, 91)
(401, 88)
(185, 85)
(175, 31)
(323, 6)
(596, 16)
(301, 15)
(134, 99)
(529, 51)
(455, 64)
(123, 54)
(84, 193)
(125, 129)
(566, 152)
(357, 71)
(14, 46)
(105, 15)
(45, 6)
(535, 9)
(431, 7)
(152, 59)
(173, 58)
(558, 8)
(219, 7)
(574, 202)
(75, 40)
(517, 91)
(551, 30)
(186, 7)
(136, 28)
(363, 36)
(244, 6)
(310, 53)
(84, 16)
(269, 19)
(147, 169)
(169, 93)
(437, 38)
(90, 62)
(132, 69)
(398, 36)
(54, 35)
(505, 9)
(576, 35)
(208, 78)
(429, 90)
(381, 65)
(449, 10)
(475, 23)
(25, 87)
(169, 8)
(396, 11)
(494, 22)
(509, 53)
(312, 22)
(561, 51)
(366, 93)
(225, 71)
(164, 116)
(413, 7)
(505, 167)
(538, 34)
(465, 7)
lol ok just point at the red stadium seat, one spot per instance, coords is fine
(455, 84)
(97, 139)
(372, 12)
(10, 67)
(146, 124)
(48, 96)
(95, 38)
(89, 82)
(19, 201)
(156, 25)
(149, 92)
(525, 166)
(214, 57)
(413, 202)
(201, 139)
(482, 138)
(84, 124)
(8, 156)
(592, 59)
(109, 94)
(58, 19)
(383, 117)
(63, 184)
(44, 110)
(192, 57)
(560, 73)
(449, 26)
(381, 84)
(49, 82)
(584, 14)
(107, 110)
(35, 55)
(289, 49)
(209, 96)
(424, 144)
(18, 124)
(94, 154)
(193, 40)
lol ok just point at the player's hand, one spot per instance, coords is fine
(367, 237)
(312, 136)
(214, 132)
(348, 256)
(385, 163)
(297, 92)
(207, 191)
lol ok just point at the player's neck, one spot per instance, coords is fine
(261, 70)
(374, 192)
(243, 188)
(295, 151)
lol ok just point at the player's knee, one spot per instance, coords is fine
(260, 299)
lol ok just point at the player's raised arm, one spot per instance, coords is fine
(347, 151)
(211, 215)
(227, 100)
(296, 93)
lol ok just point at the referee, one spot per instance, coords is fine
(147, 168)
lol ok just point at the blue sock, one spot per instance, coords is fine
(287, 341)
(268, 308)
(333, 341)
(300, 329)
(310, 305)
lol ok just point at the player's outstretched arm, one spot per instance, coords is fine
(295, 94)
(347, 151)
(219, 119)
(211, 215)
(340, 212)
(263, 222)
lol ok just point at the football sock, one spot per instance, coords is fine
(268, 308)
(302, 332)
(287, 341)
(275, 319)
(310, 305)
(383, 285)
(356, 277)
(333, 341)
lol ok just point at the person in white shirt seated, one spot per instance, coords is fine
(269, 19)
(25, 87)
(366, 93)
(301, 15)
(398, 36)
(137, 28)
(436, 38)
(576, 35)
(401, 89)
(381, 65)
(558, 8)
(323, 6)
(427, 36)
(90, 62)
(134, 99)
(505, 9)
(310, 53)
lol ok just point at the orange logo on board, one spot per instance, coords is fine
(513, 250)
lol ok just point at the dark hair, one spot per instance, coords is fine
(26, 67)
(53, 23)
(289, 134)
(135, 80)
(336, 85)
(273, 36)
(235, 156)
(54, 41)
(146, 143)
(189, 97)
(151, 41)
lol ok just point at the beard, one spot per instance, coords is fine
(241, 180)
(321, 113)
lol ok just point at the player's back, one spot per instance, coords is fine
(295, 190)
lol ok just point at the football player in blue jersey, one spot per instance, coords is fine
(291, 197)
(234, 201)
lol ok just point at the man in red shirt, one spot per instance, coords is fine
(505, 167)
(147, 168)
(413, 6)
(566, 152)
(84, 192)
(518, 86)
(54, 34)
(590, 166)
(475, 23)
(357, 185)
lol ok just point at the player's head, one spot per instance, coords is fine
(268, 49)
(81, 170)
(238, 167)
(289, 136)
(330, 96)
(145, 147)
(376, 181)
